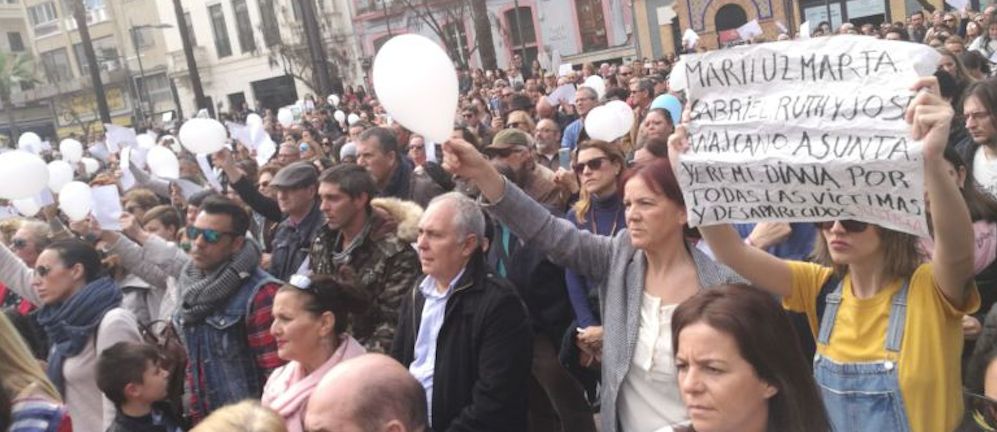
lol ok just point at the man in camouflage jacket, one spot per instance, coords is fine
(367, 243)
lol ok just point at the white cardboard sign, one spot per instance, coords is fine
(804, 131)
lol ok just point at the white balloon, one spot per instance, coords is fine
(72, 150)
(27, 207)
(285, 117)
(339, 116)
(596, 83)
(163, 163)
(203, 135)
(416, 82)
(75, 200)
(146, 141)
(59, 174)
(22, 174)
(30, 142)
(353, 119)
(626, 115)
(603, 123)
(333, 100)
(254, 119)
(90, 165)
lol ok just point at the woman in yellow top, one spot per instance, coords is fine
(890, 336)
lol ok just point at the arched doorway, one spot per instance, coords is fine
(730, 17)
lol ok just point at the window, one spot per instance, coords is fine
(520, 27)
(222, 45)
(591, 25)
(56, 65)
(156, 87)
(144, 39)
(15, 42)
(106, 52)
(190, 29)
(522, 34)
(243, 26)
(296, 10)
(43, 18)
(271, 29)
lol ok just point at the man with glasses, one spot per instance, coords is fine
(548, 142)
(223, 309)
(472, 121)
(980, 151)
(511, 152)
(585, 99)
(363, 246)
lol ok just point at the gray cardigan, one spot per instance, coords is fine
(613, 264)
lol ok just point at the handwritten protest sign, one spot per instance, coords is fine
(804, 131)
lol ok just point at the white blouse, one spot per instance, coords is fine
(649, 396)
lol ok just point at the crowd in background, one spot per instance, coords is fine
(521, 276)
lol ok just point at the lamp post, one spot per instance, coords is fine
(144, 89)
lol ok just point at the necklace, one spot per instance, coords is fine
(616, 219)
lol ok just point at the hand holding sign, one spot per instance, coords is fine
(930, 117)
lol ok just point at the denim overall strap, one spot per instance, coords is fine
(830, 313)
(864, 396)
(898, 318)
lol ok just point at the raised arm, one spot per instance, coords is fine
(952, 260)
(757, 266)
(17, 276)
(246, 189)
(565, 244)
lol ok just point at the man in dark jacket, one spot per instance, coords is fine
(378, 151)
(296, 207)
(463, 332)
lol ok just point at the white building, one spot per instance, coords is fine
(237, 45)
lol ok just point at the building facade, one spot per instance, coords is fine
(551, 31)
(129, 48)
(660, 23)
(252, 52)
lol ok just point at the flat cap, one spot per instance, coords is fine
(509, 138)
(295, 175)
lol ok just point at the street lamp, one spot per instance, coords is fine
(132, 30)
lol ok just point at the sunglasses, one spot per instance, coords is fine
(468, 115)
(592, 164)
(18, 243)
(502, 152)
(211, 236)
(852, 226)
(42, 271)
(983, 411)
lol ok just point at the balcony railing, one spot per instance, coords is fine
(94, 16)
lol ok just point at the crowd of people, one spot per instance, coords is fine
(521, 276)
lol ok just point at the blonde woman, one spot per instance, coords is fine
(245, 416)
(35, 404)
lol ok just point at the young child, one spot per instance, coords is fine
(130, 375)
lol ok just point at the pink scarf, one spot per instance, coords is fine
(288, 388)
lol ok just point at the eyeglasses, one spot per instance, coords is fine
(852, 226)
(42, 270)
(978, 116)
(211, 236)
(514, 125)
(592, 164)
(18, 243)
(502, 152)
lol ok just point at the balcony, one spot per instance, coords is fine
(178, 63)
(94, 16)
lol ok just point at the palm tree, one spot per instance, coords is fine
(14, 69)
